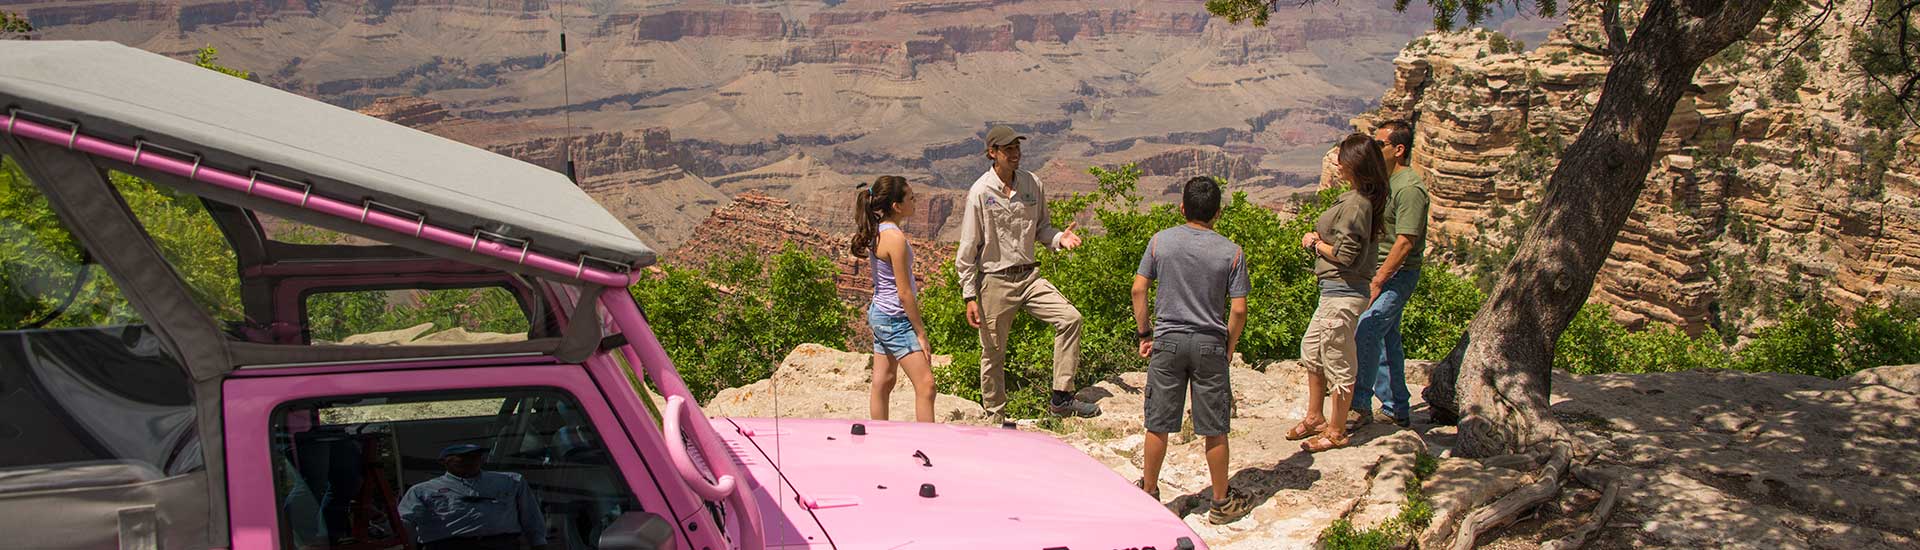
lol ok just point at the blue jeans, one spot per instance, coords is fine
(1383, 359)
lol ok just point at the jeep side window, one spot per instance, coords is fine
(367, 471)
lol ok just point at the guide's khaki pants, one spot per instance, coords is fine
(1004, 294)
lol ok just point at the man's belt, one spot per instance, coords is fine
(1015, 272)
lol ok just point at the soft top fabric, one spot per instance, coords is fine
(121, 93)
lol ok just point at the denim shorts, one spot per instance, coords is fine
(892, 334)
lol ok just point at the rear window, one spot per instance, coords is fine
(416, 317)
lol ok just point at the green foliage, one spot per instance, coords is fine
(1881, 336)
(1783, 12)
(1498, 43)
(187, 237)
(1437, 314)
(1811, 338)
(1786, 85)
(1415, 512)
(1805, 342)
(1594, 343)
(13, 24)
(1885, 51)
(1445, 12)
(1876, 158)
(729, 324)
(209, 58)
(40, 262)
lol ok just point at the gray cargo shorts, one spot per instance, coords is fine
(1180, 360)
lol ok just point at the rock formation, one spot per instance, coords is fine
(761, 225)
(1762, 189)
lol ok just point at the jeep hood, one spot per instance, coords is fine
(993, 488)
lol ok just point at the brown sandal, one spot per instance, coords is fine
(1322, 443)
(1304, 430)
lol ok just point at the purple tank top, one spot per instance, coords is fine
(886, 294)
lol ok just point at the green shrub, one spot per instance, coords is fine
(1786, 85)
(731, 323)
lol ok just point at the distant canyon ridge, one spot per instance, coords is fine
(672, 108)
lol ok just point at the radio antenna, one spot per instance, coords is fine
(566, 100)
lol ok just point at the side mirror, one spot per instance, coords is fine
(638, 531)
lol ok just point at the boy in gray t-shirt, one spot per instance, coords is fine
(1202, 276)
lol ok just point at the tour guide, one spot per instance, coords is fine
(1005, 214)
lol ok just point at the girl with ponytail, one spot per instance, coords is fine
(899, 334)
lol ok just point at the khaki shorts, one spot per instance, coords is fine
(1327, 347)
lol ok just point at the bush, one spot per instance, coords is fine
(1814, 339)
(730, 324)
(1793, 75)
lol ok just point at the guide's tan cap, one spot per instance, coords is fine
(1000, 136)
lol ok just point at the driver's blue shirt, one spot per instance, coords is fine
(492, 503)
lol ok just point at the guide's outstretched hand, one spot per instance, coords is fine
(1069, 240)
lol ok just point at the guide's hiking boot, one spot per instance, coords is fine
(1075, 407)
(1236, 506)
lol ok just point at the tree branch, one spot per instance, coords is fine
(1900, 100)
(1610, 22)
(1589, 50)
(1807, 32)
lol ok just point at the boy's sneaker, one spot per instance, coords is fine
(1074, 407)
(1236, 506)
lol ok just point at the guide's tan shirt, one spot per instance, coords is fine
(998, 230)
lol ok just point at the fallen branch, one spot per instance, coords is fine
(1509, 507)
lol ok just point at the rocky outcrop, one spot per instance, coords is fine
(1756, 192)
(413, 112)
(761, 225)
(603, 154)
(675, 25)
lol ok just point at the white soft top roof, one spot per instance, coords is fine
(120, 93)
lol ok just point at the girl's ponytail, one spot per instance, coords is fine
(864, 221)
(872, 203)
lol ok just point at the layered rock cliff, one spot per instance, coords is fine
(761, 225)
(1771, 184)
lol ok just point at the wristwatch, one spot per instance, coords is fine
(1143, 335)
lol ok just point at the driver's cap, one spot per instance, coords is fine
(461, 449)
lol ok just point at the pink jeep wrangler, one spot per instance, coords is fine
(188, 422)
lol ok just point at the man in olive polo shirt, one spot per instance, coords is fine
(1383, 360)
(1004, 216)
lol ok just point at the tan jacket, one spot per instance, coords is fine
(998, 231)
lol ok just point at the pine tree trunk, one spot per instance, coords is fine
(1505, 375)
